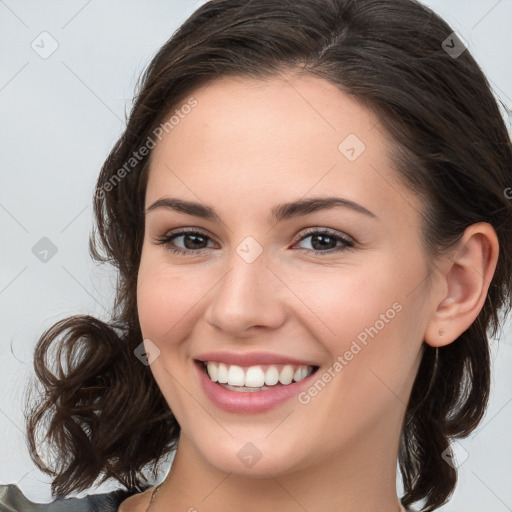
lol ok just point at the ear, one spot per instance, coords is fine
(464, 278)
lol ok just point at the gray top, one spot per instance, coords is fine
(13, 500)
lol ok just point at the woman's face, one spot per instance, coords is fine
(353, 302)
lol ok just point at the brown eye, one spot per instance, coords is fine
(193, 241)
(325, 241)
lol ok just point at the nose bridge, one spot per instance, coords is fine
(246, 296)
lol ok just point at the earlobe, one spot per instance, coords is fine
(466, 279)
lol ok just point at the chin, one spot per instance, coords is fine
(257, 458)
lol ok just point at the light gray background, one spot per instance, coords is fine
(59, 118)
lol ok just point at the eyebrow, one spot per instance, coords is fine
(279, 212)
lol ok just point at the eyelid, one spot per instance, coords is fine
(191, 230)
(328, 231)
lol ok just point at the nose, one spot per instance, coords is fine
(249, 297)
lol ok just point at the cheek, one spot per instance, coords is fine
(163, 297)
(369, 320)
(368, 340)
(349, 301)
(170, 301)
(165, 304)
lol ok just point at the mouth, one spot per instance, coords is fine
(255, 378)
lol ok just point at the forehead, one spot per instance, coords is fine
(279, 111)
(261, 142)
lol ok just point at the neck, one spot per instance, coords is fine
(360, 477)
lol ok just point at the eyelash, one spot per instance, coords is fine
(165, 240)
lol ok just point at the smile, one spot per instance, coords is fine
(254, 378)
(252, 389)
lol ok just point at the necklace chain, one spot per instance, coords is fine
(153, 494)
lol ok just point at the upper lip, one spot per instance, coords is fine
(251, 358)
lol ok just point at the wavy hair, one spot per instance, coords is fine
(450, 146)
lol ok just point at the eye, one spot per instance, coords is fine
(323, 241)
(326, 239)
(191, 239)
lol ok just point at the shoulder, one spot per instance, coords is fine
(12, 499)
(137, 502)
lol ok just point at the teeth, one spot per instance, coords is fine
(222, 374)
(301, 373)
(271, 376)
(236, 376)
(286, 375)
(253, 378)
(256, 376)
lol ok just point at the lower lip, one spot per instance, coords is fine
(249, 402)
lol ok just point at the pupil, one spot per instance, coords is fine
(322, 237)
(195, 237)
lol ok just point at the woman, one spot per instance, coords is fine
(309, 215)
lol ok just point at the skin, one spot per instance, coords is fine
(247, 146)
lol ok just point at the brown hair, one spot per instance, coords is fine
(450, 145)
